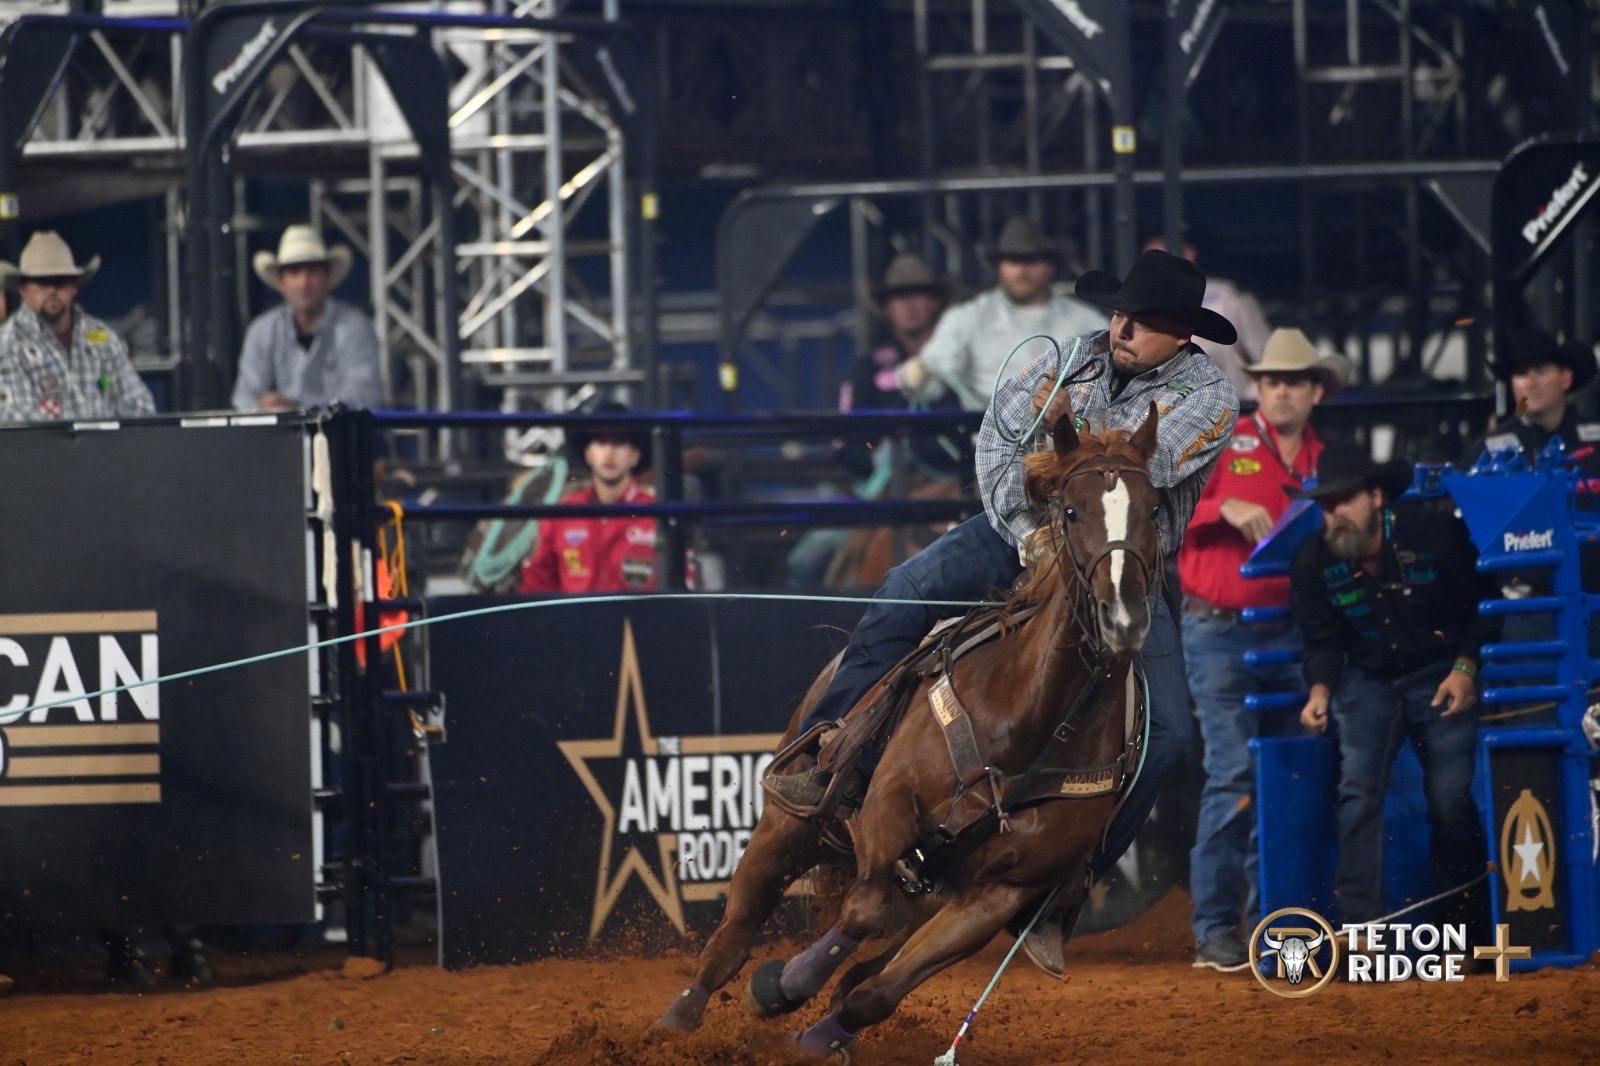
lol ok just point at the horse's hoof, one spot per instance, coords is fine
(684, 1015)
(764, 995)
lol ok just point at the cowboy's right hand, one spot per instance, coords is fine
(1314, 715)
(1248, 518)
(1061, 405)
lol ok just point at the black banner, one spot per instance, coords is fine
(1541, 190)
(1093, 32)
(1525, 840)
(1199, 21)
(601, 772)
(128, 554)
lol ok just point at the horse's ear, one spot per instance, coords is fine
(1144, 439)
(1065, 434)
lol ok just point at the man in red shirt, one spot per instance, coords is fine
(599, 554)
(1271, 455)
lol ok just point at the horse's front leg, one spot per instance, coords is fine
(885, 828)
(780, 850)
(958, 930)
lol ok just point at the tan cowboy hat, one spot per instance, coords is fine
(1289, 351)
(46, 255)
(909, 272)
(302, 244)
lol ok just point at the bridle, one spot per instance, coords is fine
(1110, 468)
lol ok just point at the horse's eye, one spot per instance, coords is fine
(1155, 512)
(1071, 514)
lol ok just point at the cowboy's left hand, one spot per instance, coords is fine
(1457, 692)
(1061, 405)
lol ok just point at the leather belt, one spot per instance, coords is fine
(1196, 606)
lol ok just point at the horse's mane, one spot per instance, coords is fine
(1043, 475)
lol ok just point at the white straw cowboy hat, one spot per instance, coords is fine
(302, 244)
(1289, 351)
(46, 255)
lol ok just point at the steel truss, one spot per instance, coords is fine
(544, 257)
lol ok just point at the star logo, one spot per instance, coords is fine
(1526, 839)
(653, 828)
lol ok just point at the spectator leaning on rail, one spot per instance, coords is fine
(599, 554)
(974, 338)
(57, 361)
(1544, 375)
(1386, 597)
(1269, 456)
(312, 350)
(1150, 359)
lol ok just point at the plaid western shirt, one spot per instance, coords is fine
(41, 382)
(1197, 406)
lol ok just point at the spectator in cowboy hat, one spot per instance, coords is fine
(1386, 597)
(974, 338)
(1273, 452)
(604, 554)
(56, 360)
(312, 350)
(1543, 375)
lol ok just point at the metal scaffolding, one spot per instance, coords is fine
(543, 263)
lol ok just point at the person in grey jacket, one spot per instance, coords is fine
(311, 350)
(974, 338)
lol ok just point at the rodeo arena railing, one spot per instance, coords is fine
(563, 775)
(1534, 761)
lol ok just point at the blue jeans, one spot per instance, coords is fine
(972, 562)
(1374, 717)
(1225, 856)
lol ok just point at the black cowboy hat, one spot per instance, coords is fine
(909, 272)
(581, 436)
(1534, 347)
(1021, 238)
(1344, 468)
(1160, 284)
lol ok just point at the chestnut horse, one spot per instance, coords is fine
(1091, 591)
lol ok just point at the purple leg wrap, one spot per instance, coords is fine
(826, 1037)
(806, 973)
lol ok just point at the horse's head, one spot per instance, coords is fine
(1102, 510)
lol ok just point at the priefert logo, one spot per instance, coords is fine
(1523, 542)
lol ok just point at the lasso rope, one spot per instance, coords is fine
(416, 623)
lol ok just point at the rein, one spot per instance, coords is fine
(985, 798)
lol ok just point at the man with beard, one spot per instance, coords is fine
(599, 554)
(1386, 598)
(56, 361)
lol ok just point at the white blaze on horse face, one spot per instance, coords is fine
(1118, 506)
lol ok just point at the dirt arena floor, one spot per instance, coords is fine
(1132, 996)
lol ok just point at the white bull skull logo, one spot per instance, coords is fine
(1293, 953)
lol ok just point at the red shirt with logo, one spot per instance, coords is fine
(593, 554)
(1251, 470)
